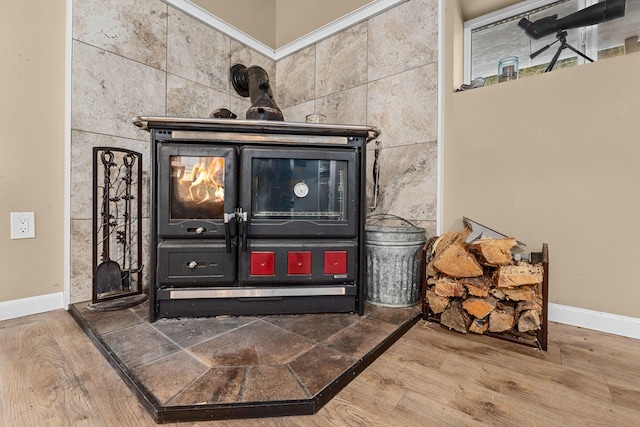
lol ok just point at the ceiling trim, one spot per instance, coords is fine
(359, 15)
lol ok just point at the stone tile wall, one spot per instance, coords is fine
(147, 58)
(130, 59)
(383, 73)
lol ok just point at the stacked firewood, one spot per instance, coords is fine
(479, 287)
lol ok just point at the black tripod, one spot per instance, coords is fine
(562, 38)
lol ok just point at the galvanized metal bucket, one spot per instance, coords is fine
(393, 264)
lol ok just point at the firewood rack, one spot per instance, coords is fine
(541, 335)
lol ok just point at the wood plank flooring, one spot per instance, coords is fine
(52, 375)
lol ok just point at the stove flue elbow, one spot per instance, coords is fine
(254, 82)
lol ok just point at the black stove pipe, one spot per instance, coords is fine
(254, 82)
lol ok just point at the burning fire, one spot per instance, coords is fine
(204, 182)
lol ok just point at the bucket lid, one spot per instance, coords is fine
(406, 232)
(393, 229)
(400, 235)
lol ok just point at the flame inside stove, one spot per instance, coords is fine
(204, 180)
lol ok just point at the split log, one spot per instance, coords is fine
(522, 293)
(477, 286)
(494, 252)
(498, 293)
(444, 242)
(529, 305)
(511, 276)
(447, 287)
(479, 326)
(453, 259)
(431, 270)
(529, 314)
(456, 318)
(479, 307)
(502, 318)
(437, 303)
(529, 320)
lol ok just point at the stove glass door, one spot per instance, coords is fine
(196, 186)
(299, 188)
(300, 192)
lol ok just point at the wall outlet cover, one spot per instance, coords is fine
(23, 225)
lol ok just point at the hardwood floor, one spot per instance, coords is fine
(52, 375)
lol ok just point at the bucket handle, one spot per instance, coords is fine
(391, 215)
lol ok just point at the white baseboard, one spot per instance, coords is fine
(32, 305)
(595, 320)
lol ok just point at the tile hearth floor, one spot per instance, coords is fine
(192, 369)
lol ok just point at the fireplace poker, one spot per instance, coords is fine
(128, 160)
(108, 275)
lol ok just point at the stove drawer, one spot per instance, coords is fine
(298, 261)
(189, 262)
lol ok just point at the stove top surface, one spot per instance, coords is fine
(259, 126)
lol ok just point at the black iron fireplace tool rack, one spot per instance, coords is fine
(117, 229)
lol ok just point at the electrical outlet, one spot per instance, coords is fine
(23, 225)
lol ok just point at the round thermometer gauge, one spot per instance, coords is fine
(301, 189)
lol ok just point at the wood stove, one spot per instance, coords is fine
(256, 217)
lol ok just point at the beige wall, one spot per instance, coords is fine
(474, 8)
(255, 18)
(554, 158)
(32, 76)
(296, 18)
(279, 22)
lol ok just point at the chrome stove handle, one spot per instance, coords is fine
(238, 215)
(227, 231)
(241, 217)
(376, 175)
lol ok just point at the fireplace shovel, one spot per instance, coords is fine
(108, 275)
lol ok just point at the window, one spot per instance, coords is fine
(493, 37)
